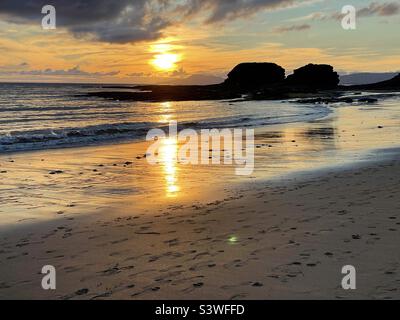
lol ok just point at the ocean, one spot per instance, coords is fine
(46, 116)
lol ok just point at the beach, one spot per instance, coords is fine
(271, 241)
(324, 194)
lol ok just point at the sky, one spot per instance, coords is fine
(165, 41)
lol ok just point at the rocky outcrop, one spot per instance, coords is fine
(315, 76)
(161, 93)
(257, 81)
(250, 76)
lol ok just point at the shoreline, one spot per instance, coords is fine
(288, 179)
(89, 178)
(284, 180)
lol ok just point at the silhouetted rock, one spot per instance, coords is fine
(316, 76)
(254, 75)
(258, 81)
(392, 83)
(368, 100)
(161, 93)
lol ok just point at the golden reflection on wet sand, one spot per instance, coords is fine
(168, 155)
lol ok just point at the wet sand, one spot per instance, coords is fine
(270, 241)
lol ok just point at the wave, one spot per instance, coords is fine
(52, 108)
(51, 138)
(38, 139)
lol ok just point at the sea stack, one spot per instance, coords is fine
(316, 76)
(248, 76)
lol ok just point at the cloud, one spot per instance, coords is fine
(382, 10)
(227, 10)
(76, 71)
(126, 21)
(179, 73)
(373, 9)
(137, 74)
(119, 21)
(298, 27)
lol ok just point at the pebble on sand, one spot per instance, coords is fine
(198, 285)
(56, 172)
(82, 292)
(257, 284)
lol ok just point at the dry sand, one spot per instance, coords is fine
(263, 241)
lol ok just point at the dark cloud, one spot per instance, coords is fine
(125, 21)
(297, 27)
(104, 20)
(225, 10)
(380, 9)
(373, 9)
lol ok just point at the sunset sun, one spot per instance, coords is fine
(165, 61)
(165, 57)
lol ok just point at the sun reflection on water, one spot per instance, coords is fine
(165, 109)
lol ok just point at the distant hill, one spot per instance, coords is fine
(391, 84)
(365, 78)
(196, 80)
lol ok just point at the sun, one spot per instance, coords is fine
(165, 57)
(165, 61)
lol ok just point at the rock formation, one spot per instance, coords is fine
(248, 76)
(315, 76)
